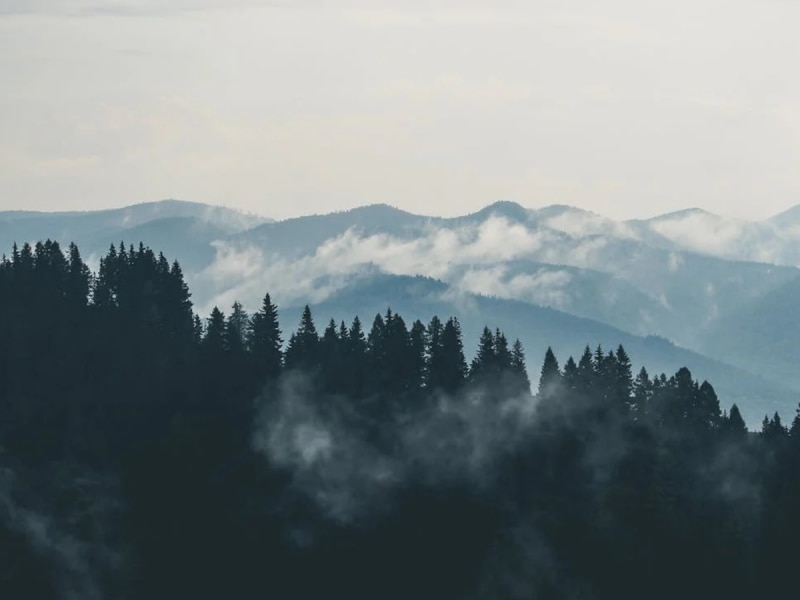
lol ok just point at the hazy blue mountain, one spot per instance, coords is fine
(538, 328)
(611, 271)
(187, 237)
(303, 235)
(690, 276)
(106, 226)
(762, 335)
(787, 219)
(582, 292)
(775, 240)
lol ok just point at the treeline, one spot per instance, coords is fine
(168, 455)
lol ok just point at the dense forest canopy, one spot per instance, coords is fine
(146, 452)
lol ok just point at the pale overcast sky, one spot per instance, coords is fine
(626, 107)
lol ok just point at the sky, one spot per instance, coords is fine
(629, 108)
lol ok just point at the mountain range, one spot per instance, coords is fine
(687, 288)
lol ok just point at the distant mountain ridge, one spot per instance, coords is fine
(689, 276)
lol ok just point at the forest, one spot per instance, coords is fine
(149, 452)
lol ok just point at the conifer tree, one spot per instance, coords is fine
(623, 379)
(642, 393)
(519, 369)
(214, 341)
(332, 359)
(79, 279)
(237, 328)
(502, 352)
(265, 342)
(417, 348)
(198, 330)
(586, 371)
(794, 430)
(453, 369)
(550, 377)
(302, 351)
(433, 353)
(708, 409)
(571, 375)
(734, 425)
(176, 303)
(484, 365)
(355, 351)
(773, 429)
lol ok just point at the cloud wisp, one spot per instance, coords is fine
(322, 442)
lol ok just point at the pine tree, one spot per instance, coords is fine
(642, 393)
(484, 365)
(355, 350)
(794, 430)
(237, 329)
(734, 425)
(214, 341)
(586, 372)
(773, 429)
(302, 351)
(708, 409)
(198, 330)
(571, 375)
(176, 305)
(332, 359)
(265, 342)
(453, 369)
(623, 380)
(502, 352)
(79, 279)
(400, 361)
(433, 353)
(417, 347)
(550, 377)
(519, 370)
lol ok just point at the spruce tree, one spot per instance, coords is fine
(484, 365)
(502, 351)
(623, 380)
(518, 368)
(237, 328)
(734, 425)
(642, 393)
(433, 353)
(571, 375)
(453, 369)
(417, 348)
(550, 377)
(214, 342)
(302, 351)
(265, 342)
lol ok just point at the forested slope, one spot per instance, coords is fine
(151, 453)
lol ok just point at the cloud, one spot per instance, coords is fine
(246, 273)
(674, 262)
(350, 477)
(79, 545)
(545, 286)
(578, 223)
(737, 239)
